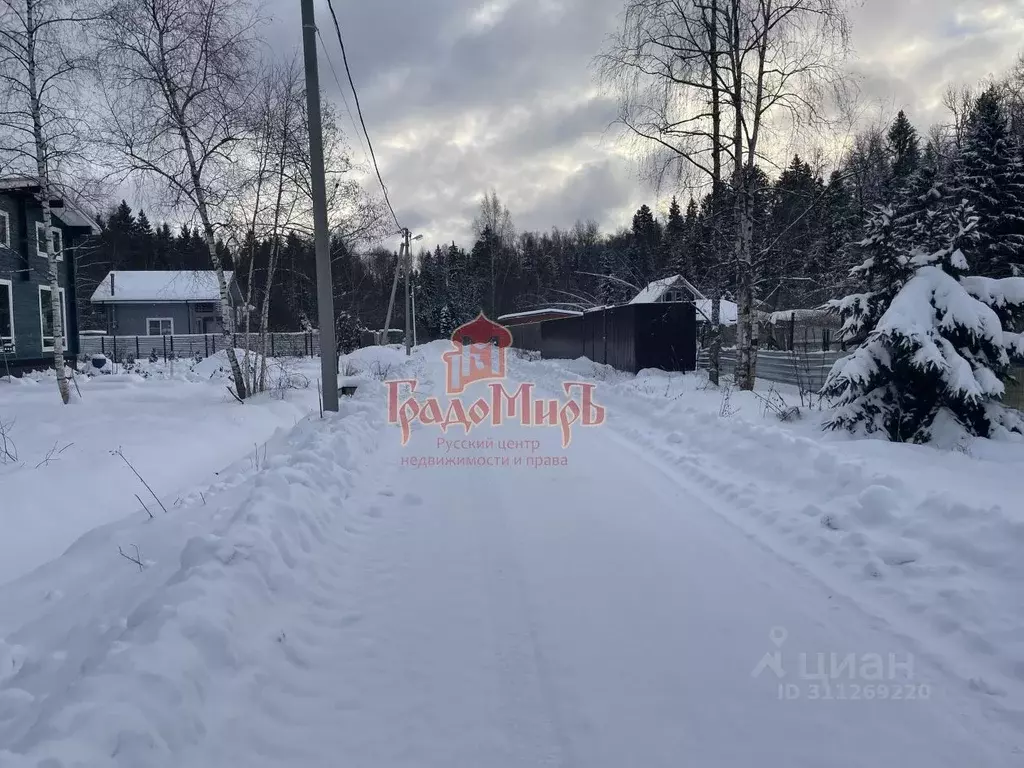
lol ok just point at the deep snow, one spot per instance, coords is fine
(660, 598)
(178, 428)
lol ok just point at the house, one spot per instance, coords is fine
(536, 316)
(26, 317)
(678, 289)
(159, 303)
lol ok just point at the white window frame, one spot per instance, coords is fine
(55, 231)
(10, 308)
(160, 320)
(7, 228)
(63, 317)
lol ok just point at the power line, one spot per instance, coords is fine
(359, 111)
(344, 100)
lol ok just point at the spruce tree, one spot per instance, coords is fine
(903, 145)
(645, 248)
(920, 205)
(936, 358)
(882, 272)
(673, 241)
(990, 176)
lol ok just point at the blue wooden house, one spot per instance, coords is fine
(26, 317)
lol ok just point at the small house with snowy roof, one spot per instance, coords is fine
(159, 303)
(678, 289)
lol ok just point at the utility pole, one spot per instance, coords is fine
(414, 342)
(324, 283)
(391, 302)
(408, 303)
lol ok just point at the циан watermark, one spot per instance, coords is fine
(839, 676)
(480, 354)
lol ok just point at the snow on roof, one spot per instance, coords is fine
(167, 286)
(655, 290)
(532, 312)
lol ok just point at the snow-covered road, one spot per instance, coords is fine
(597, 614)
(594, 614)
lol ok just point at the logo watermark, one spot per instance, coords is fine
(839, 676)
(480, 354)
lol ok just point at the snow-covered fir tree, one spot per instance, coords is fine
(882, 272)
(937, 357)
(446, 325)
(921, 201)
(990, 175)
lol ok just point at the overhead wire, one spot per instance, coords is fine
(362, 121)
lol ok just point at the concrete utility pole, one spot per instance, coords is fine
(391, 301)
(414, 342)
(324, 283)
(408, 302)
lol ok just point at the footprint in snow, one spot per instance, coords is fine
(412, 500)
(374, 511)
(386, 492)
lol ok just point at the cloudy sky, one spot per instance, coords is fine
(462, 96)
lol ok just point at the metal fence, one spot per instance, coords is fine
(807, 370)
(122, 348)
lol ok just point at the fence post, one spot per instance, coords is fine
(137, 353)
(103, 345)
(115, 349)
(165, 348)
(792, 330)
(206, 345)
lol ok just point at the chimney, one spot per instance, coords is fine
(111, 283)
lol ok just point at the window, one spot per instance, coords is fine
(6, 316)
(46, 317)
(160, 326)
(5, 229)
(58, 241)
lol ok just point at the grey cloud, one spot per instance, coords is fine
(455, 109)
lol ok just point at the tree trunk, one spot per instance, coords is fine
(43, 171)
(225, 307)
(265, 311)
(746, 338)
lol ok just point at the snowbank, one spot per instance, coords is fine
(176, 426)
(373, 362)
(928, 539)
(111, 662)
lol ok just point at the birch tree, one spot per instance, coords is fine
(702, 82)
(41, 125)
(666, 60)
(177, 76)
(783, 71)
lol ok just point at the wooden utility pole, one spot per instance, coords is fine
(324, 282)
